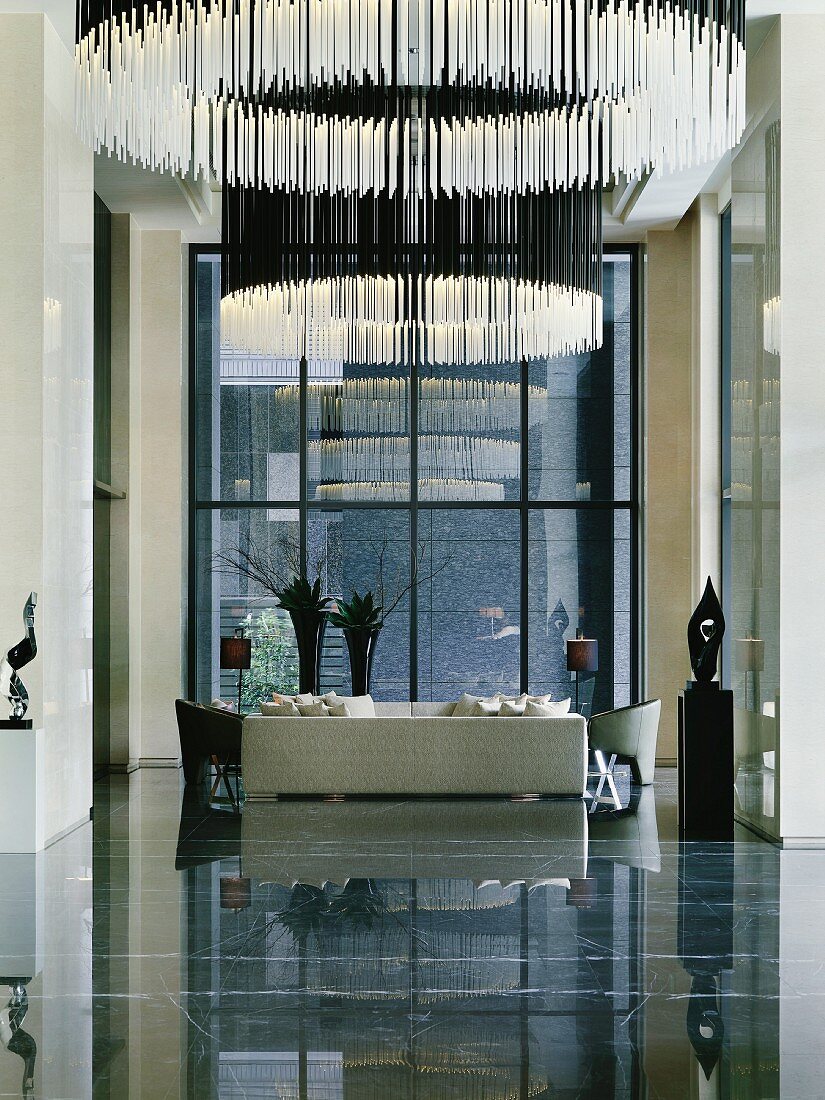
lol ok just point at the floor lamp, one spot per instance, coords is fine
(582, 656)
(236, 653)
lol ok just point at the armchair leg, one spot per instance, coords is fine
(605, 776)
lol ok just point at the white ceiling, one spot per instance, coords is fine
(163, 202)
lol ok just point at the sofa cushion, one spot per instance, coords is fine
(511, 708)
(547, 710)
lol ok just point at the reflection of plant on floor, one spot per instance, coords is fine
(274, 658)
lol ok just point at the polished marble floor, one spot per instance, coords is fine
(414, 950)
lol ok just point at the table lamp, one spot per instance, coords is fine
(236, 653)
(582, 656)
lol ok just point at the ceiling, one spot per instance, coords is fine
(158, 201)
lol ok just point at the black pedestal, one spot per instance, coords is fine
(15, 723)
(705, 763)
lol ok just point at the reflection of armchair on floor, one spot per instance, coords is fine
(628, 735)
(630, 835)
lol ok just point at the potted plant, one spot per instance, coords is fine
(362, 618)
(307, 608)
(280, 572)
(361, 621)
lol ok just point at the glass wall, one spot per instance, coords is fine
(506, 492)
(751, 314)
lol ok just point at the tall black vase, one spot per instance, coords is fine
(309, 633)
(361, 646)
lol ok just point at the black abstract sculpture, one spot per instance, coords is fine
(11, 686)
(705, 632)
(13, 1037)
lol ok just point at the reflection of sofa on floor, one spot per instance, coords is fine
(532, 842)
(427, 753)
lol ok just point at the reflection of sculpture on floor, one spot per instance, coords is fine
(705, 942)
(13, 1037)
(11, 686)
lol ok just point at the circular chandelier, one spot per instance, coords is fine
(320, 95)
(393, 281)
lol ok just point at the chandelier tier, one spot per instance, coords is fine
(322, 94)
(396, 280)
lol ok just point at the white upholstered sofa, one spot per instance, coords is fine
(414, 749)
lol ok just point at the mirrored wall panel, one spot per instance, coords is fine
(751, 398)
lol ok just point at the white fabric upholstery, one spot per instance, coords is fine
(393, 710)
(433, 710)
(421, 755)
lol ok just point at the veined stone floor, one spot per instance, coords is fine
(468, 950)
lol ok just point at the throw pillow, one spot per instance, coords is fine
(360, 706)
(339, 710)
(464, 706)
(484, 708)
(512, 708)
(280, 710)
(279, 697)
(219, 704)
(547, 710)
(313, 710)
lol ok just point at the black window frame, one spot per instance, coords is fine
(524, 505)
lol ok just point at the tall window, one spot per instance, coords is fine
(513, 484)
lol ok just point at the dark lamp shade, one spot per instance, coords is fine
(750, 654)
(236, 893)
(582, 655)
(236, 652)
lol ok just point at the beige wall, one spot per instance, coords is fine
(149, 527)
(668, 492)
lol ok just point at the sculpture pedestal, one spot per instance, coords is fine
(705, 763)
(22, 808)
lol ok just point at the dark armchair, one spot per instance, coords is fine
(207, 732)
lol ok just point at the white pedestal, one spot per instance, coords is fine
(21, 916)
(22, 808)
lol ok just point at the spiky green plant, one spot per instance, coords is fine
(358, 613)
(301, 596)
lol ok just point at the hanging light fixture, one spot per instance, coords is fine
(512, 95)
(395, 279)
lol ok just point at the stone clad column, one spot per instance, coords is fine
(46, 430)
